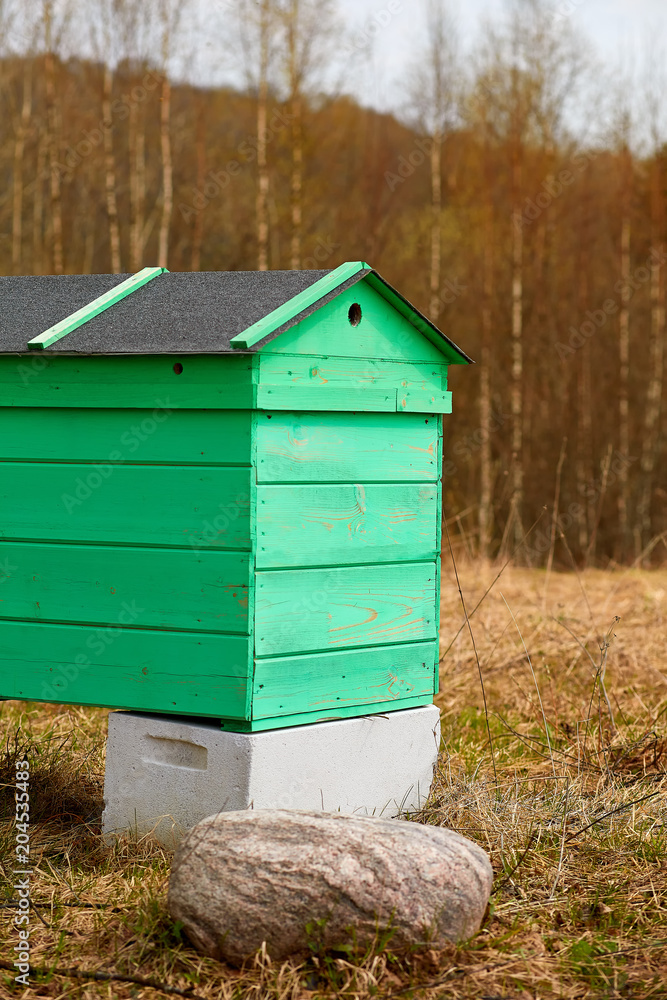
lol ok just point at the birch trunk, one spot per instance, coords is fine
(262, 201)
(517, 376)
(584, 459)
(137, 151)
(296, 104)
(198, 230)
(436, 226)
(89, 239)
(38, 206)
(650, 441)
(297, 182)
(167, 171)
(485, 519)
(53, 120)
(110, 171)
(623, 379)
(485, 500)
(19, 153)
(516, 167)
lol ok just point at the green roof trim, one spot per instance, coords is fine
(94, 308)
(453, 354)
(249, 338)
(287, 314)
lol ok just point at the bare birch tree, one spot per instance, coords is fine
(435, 97)
(55, 19)
(536, 63)
(486, 471)
(657, 128)
(171, 14)
(476, 111)
(133, 27)
(258, 25)
(625, 196)
(22, 129)
(105, 40)
(308, 29)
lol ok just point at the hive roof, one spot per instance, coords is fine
(214, 312)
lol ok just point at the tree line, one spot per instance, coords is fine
(517, 197)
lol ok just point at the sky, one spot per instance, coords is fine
(617, 30)
(382, 38)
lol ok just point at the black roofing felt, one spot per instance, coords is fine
(190, 312)
(176, 313)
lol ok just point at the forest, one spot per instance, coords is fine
(517, 197)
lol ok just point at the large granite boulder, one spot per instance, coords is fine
(284, 877)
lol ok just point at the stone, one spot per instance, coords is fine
(166, 773)
(286, 877)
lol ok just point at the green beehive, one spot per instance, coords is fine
(220, 494)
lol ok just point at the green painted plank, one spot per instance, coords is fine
(253, 536)
(199, 437)
(318, 525)
(326, 715)
(125, 668)
(152, 588)
(352, 398)
(319, 610)
(94, 308)
(417, 401)
(360, 447)
(311, 398)
(117, 667)
(382, 333)
(436, 679)
(332, 372)
(283, 314)
(324, 383)
(326, 681)
(143, 505)
(128, 381)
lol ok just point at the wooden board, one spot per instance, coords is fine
(436, 679)
(346, 448)
(177, 672)
(134, 381)
(310, 382)
(326, 609)
(315, 525)
(270, 397)
(324, 715)
(139, 587)
(382, 332)
(164, 436)
(290, 685)
(423, 401)
(144, 505)
(322, 371)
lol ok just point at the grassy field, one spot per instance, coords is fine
(562, 779)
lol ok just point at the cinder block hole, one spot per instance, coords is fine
(177, 753)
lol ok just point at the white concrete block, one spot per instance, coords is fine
(166, 773)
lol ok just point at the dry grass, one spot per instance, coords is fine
(573, 817)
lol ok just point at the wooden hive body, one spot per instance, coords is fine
(251, 535)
